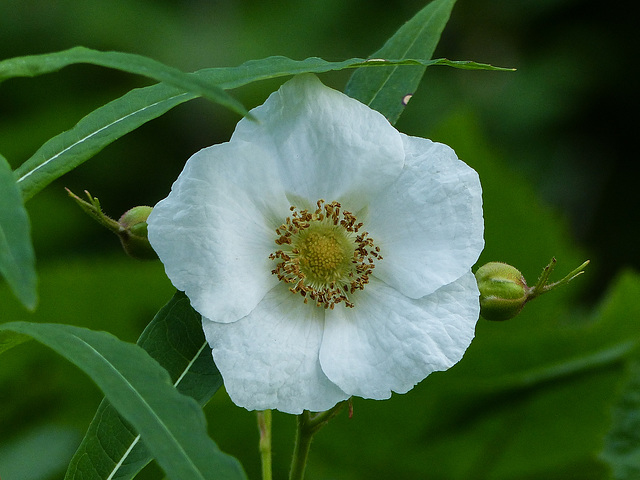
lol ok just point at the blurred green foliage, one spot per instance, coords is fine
(551, 142)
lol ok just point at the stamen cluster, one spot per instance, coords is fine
(324, 256)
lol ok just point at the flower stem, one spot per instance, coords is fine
(94, 210)
(264, 425)
(308, 426)
(301, 448)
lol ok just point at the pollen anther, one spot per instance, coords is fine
(323, 257)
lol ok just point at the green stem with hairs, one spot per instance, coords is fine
(264, 426)
(308, 425)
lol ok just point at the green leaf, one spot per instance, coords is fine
(622, 445)
(99, 128)
(278, 66)
(388, 89)
(172, 425)
(33, 65)
(111, 448)
(17, 259)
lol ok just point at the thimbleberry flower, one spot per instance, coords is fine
(328, 254)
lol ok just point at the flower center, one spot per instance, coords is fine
(323, 256)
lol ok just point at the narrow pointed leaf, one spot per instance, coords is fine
(33, 65)
(112, 448)
(389, 89)
(99, 128)
(172, 425)
(17, 259)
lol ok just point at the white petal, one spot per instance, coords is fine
(429, 223)
(328, 145)
(269, 359)
(216, 229)
(390, 342)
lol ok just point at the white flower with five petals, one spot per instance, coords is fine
(328, 254)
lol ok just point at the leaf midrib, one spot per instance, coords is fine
(146, 404)
(137, 438)
(394, 68)
(93, 134)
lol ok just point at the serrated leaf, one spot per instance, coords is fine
(111, 448)
(17, 259)
(33, 65)
(388, 89)
(99, 128)
(172, 425)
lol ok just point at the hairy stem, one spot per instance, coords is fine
(308, 426)
(264, 426)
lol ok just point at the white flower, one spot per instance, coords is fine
(365, 289)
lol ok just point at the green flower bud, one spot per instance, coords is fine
(133, 233)
(131, 228)
(503, 291)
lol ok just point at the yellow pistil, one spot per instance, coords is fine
(323, 255)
